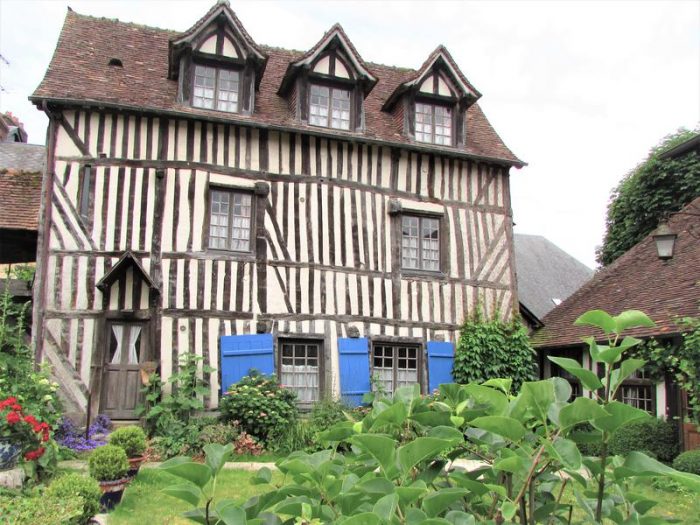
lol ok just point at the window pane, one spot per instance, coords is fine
(227, 98)
(300, 370)
(341, 109)
(204, 79)
(409, 242)
(240, 230)
(318, 105)
(394, 365)
(218, 219)
(424, 122)
(443, 125)
(430, 239)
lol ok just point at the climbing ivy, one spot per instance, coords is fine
(489, 348)
(681, 361)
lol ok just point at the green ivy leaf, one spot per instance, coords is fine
(436, 502)
(186, 492)
(588, 378)
(632, 319)
(506, 427)
(599, 319)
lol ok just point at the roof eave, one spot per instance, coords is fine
(41, 101)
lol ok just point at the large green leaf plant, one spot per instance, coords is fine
(404, 462)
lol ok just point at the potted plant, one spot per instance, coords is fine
(109, 465)
(20, 433)
(133, 440)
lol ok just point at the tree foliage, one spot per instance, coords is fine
(647, 194)
(493, 348)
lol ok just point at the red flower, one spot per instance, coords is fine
(31, 420)
(34, 454)
(13, 418)
(16, 407)
(7, 402)
(45, 437)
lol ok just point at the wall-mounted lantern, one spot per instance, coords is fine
(665, 239)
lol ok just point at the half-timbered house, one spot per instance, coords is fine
(304, 213)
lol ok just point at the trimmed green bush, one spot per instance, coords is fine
(655, 437)
(131, 438)
(688, 462)
(75, 485)
(108, 463)
(17, 510)
(260, 405)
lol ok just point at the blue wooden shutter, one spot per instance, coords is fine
(240, 353)
(441, 356)
(353, 356)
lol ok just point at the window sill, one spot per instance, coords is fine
(424, 274)
(220, 254)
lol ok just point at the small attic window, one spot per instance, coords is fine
(115, 62)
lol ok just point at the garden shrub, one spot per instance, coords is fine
(108, 463)
(688, 462)
(260, 405)
(40, 509)
(131, 438)
(490, 348)
(76, 485)
(221, 433)
(328, 412)
(301, 435)
(655, 437)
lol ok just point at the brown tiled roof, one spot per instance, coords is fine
(20, 185)
(79, 72)
(638, 280)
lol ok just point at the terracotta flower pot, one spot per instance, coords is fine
(134, 466)
(112, 492)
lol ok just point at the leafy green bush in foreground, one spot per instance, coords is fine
(397, 470)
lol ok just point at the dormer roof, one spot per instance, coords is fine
(439, 61)
(333, 39)
(219, 19)
(126, 261)
(85, 79)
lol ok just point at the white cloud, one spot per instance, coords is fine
(580, 90)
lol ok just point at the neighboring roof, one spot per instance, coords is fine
(21, 167)
(126, 261)
(664, 290)
(22, 157)
(546, 273)
(79, 73)
(693, 143)
(11, 129)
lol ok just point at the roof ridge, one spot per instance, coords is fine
(71, 12)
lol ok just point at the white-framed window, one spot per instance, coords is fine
(420, 243)
(216, 88)
(329, 107)
(639, 391)
(230, 220)
(395, 365)
(301, 368)
(433, 124)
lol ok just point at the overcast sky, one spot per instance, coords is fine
(579, 90)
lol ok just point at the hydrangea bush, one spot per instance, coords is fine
(260, 404)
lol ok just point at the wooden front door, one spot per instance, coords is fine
(127, 347)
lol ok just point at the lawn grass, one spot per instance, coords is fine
(144, 503)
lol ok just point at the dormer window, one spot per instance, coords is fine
(327, 86)
(433, 104)
(216, 63)
(216, 88)
(434, 124)
(329, 107)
